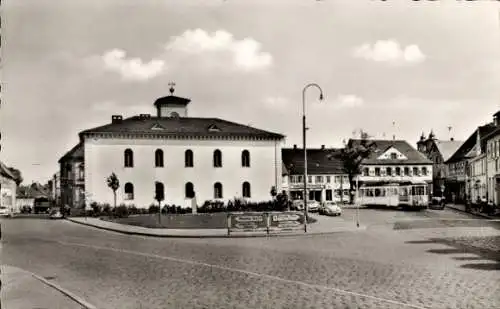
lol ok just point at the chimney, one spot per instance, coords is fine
(116, 118)
(294, 146)
(322, 147)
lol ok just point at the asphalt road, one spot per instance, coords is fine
(428, 259)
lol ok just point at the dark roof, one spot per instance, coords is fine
(470, 143)
(75, 153)
(6, 172)
(181, 126)
(32, 191)
(319, 161)
(172, 99)
(413, 155)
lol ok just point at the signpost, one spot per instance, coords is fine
(247, 222)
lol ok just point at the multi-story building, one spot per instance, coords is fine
(190, 159)
(394, 162)
(326, 180)
(55, 188)
(438, 151)
(493, 163)
(72, 178)
(458, 184)
(8, 188)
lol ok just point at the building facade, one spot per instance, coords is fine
(200, 159)
(394, 162)
(493, 163)
(458, 184)
(326, 180)
(72, 178)
(438, 151)
(8, 188)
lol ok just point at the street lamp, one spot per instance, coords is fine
(304, 129)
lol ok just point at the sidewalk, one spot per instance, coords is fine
(461, 208)
(324, 225)
(22, 289)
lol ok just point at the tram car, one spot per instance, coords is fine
(395, 195)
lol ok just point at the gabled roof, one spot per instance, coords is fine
(6, 172)
(75, 153)
(181, 126)
(33, 191)
(319, 161)
(470, 143)
(413, 155)
(447, 148)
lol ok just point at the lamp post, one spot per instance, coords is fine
(304, 129)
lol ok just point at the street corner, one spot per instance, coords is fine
(23, 289)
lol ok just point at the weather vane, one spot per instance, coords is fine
(172, 89)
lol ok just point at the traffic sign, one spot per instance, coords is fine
(247, 222)
(287, 221)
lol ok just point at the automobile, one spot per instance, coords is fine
(4, 211)
(297, 205)
(330, 209)
(437, 202)
(55, 214)
(313, 206)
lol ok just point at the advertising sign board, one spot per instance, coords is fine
(286, 221)
(247, 222)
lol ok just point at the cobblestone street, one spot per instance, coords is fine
(419, 266)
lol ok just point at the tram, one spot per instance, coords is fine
(395, 195)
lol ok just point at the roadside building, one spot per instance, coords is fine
(188, 158)
(326, 180)
(458, 184)
(394, 162)
(71, 178)
(493, 163)
(8, 188)
(438, 151)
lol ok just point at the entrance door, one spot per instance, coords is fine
(317, 196)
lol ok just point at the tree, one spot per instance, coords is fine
(352, 156)
(113, 184)
(17, 175)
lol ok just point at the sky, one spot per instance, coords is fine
(395, 67)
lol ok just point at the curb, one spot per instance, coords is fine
(67, 293)
(361, 228)
(471, 213)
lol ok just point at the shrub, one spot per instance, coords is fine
(132, 210)
(153, 209)
(121, 211)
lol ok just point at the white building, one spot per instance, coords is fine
(8, 188)
(210, 158)
(326, 181)
(395, 161)
(493, 163)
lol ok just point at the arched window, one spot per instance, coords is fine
(246, 189)
(129, 158)
(217, 158)
(424, 171)
(398, 171)
(129, 191)
(388, 171)
(245, 158)
(159, 158)
(159, 187)
(366, 171)
(217, 190)
(189, 190)
(188, 158)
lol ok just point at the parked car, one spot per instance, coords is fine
(330, 209)
(437, 202)
(313, 206)
(55, 214)
(297, 205)
(4, 211)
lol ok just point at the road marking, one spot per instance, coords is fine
(246, 272)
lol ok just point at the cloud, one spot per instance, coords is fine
(245, 54)
(389, 51)
(132, 68)
(275, 102)
(111, 107)
(348, 101)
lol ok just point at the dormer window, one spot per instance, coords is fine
(213, 128)
(394, 156)
(157, 126)
(174, 114)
